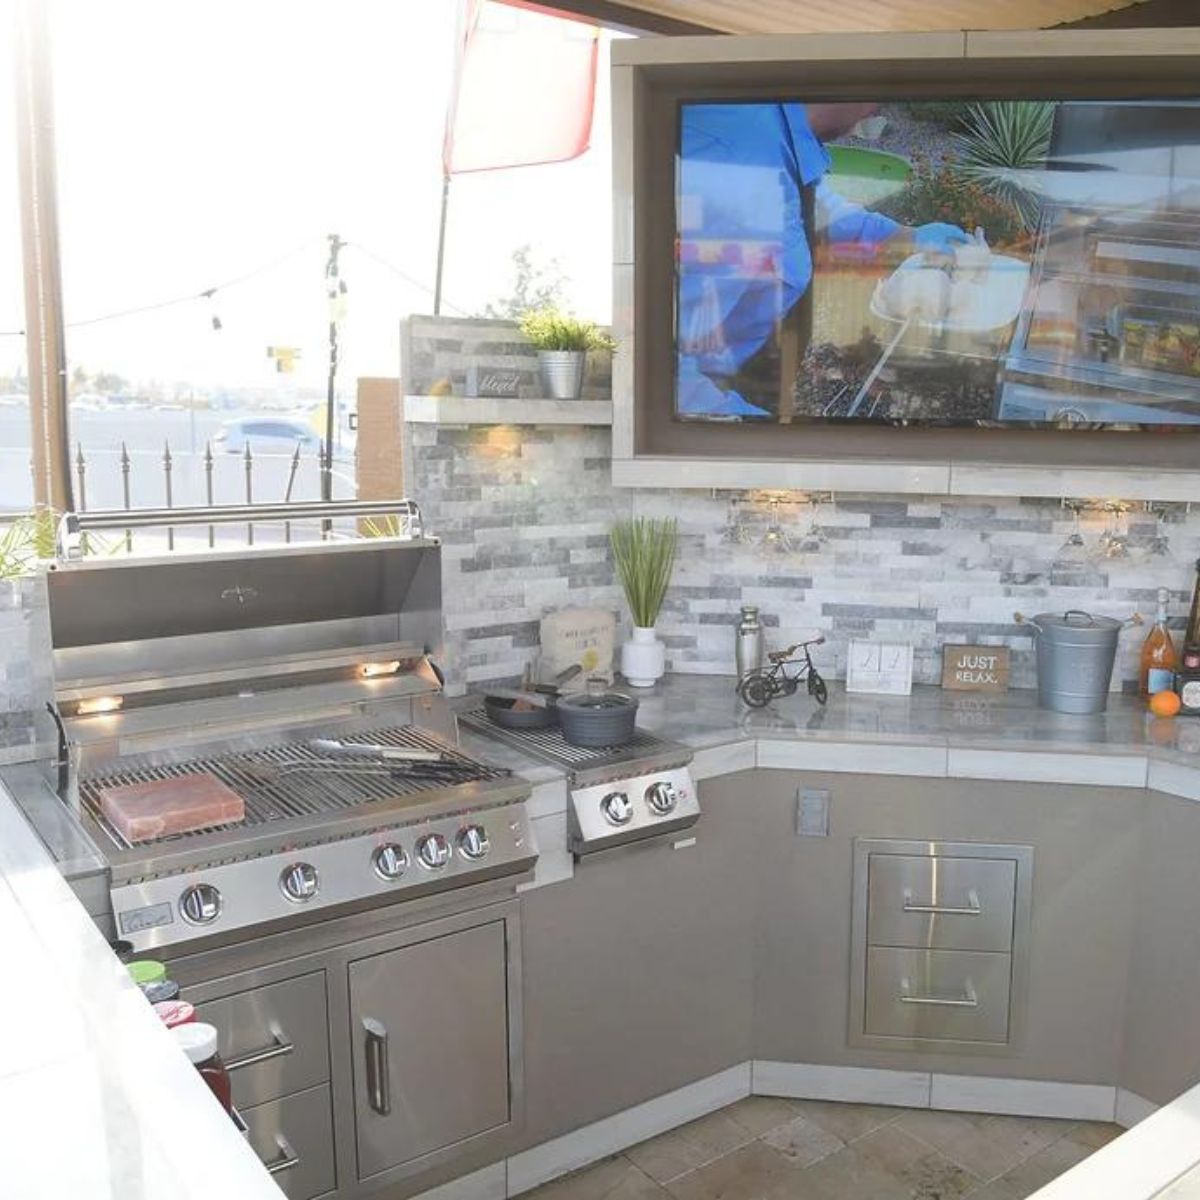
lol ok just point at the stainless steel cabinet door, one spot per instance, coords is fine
(429, 1025)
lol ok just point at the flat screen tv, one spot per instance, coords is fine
(997, 263)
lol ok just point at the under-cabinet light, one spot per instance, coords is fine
(99, 704)
(374, 670)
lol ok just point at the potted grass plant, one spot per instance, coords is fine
(562, 343)
(644, 551)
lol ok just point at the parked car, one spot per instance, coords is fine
(265, 435)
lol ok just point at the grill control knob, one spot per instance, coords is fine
(299, 882)
(661, 798)
(473, 842)
(616, 808)
(390, 861)
(200, 904)
(433, 851)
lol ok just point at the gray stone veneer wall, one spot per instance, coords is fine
(524, 515)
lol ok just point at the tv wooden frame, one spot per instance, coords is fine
(650, 76)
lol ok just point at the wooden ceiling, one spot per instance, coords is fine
(828, 16)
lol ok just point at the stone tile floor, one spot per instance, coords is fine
(763, 1148)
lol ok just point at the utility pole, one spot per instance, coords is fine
(44, 342)
(335, 289)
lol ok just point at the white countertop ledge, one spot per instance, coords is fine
(96, 1101)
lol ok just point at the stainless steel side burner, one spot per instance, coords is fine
(619, 794)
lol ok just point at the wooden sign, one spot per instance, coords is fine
(975, 668)
(493, 383)
(578, 635)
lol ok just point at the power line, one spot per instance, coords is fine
(192, 297)
(409, 279)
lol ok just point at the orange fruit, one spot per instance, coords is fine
(1165, 704)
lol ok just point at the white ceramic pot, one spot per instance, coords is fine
(562, 373)
(643, 658)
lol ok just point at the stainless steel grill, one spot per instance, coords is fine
(292, 779)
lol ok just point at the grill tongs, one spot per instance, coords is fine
(374, 760)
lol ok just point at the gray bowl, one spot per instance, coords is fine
(604, 720)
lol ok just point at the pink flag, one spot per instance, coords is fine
(524, 88)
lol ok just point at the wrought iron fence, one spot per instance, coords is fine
(260, 479)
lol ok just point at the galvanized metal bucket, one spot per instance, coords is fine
(562, 373)
(1075, 655)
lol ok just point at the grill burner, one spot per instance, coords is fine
(294, 780)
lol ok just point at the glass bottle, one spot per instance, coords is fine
(1159, 658)
(1192, 638)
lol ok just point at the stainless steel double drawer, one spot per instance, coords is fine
(274, 1039)
(939, 944)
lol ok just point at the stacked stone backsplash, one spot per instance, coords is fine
(436, 352)
(524, 513)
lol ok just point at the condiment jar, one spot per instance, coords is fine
(146, 970)
(173, 1013)
(199, 1042)
(160, 990)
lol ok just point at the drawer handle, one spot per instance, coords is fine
(972, 909)
(287, 1159)
(379, 1088)
(277, 1049)
(967, 1000)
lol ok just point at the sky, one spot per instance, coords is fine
(199, 142)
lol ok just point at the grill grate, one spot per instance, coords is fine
(276, 785)
(550, 746)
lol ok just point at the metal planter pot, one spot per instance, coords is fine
(562, 373)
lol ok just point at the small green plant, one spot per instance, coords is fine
(1003, 143)
(24, 541)
(644, 551)
(551, 329)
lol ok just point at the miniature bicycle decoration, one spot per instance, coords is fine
(762, 685)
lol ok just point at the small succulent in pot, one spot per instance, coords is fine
(562, 343)
(644, 550)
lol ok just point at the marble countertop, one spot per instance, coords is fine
(95, 1098)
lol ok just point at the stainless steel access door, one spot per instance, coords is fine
(429, 1024)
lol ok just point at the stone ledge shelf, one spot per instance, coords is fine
(467, 410)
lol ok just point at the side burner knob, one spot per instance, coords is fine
(616, 808)
(661, 798)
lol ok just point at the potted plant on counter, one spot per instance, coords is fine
(644, 552)
(562, 343)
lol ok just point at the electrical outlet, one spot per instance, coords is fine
(812, 812)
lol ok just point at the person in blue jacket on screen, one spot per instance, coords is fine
(744, 170)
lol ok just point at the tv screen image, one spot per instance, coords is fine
(996, 263)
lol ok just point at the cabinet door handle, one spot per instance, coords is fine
(972, 908)
(277, 1049)
(287, 1159)
(968, 999)
(379, 1090)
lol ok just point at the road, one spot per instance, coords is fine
(145, 432)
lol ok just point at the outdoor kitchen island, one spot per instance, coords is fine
(901, 766)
